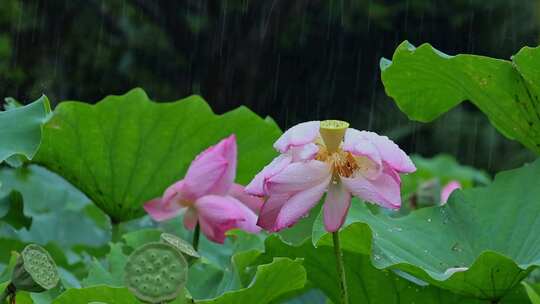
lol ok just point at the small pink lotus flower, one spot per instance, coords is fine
(318, 157)
(209, 196)
(448, 189)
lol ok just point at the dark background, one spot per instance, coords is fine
(293, 60)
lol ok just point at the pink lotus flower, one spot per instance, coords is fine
(318, 157)
(448, 189)
(209, 196)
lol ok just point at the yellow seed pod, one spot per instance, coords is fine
(332, 133)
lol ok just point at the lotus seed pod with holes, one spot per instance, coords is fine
(35, 270)
(332, 133)
(156, 272)
(180, 244)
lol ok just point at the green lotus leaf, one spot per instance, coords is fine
(126, 150)
(366, 283)
(55, 207)
(137, 238)
(11, 211)
(482, 243)
(102, 293)
(533, 291)
(217, 271)
(5, 275)
(21, 129)
(280, 276)
(426, 83)
(110, 272)
(527, 62)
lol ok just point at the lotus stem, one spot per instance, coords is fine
(196, 236)
(7, 293)
(340, 269)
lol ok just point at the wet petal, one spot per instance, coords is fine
(299, 205)
(218, 214)
(252, 202)
(336, 206)
(392, 173)
(159, 210)
(305, 152)
(448, 189)
(358, 145)
(249, 222)
(169, 205)
(213, 171)
(389, 151)
(270, 211)
(216, 208)
(368, 168)
(299, 176)
(258, 185)
(227, 148)
(204, 174)
(216, 232)
(176, 193)
(384, 190)
(298, 135)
